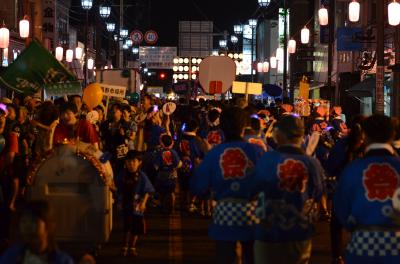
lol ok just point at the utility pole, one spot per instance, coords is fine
(285, 48)
(120, 41)
(331, 46)
(380, 68)
(396, 77)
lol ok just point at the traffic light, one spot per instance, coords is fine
(162, 76)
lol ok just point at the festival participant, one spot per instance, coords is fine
(73, 130)
(166, 163)
(37, 245)
(191, 150)
(228, 171)
(133, 192)
(129, 127)
(367, 200)
(343, 152)
(291, 185)
(253, 134)
(213, 133)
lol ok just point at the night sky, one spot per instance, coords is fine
(163, 15)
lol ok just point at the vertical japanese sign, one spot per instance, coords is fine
(379, 96)
(49, 23)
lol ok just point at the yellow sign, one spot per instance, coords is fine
(252, 88)
(304, 89)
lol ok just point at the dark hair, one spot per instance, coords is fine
(291, 126)
(213, 115)
(378, 129)
(68, 107)
(134, 154)
(355, 137)
(233, 121)
(48, 113)
(166, 140)
(192, 125)
(255, 124)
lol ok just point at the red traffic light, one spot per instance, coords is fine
(162, 75)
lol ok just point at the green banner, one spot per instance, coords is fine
(61, 89)
(33, 69)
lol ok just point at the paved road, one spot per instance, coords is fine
(182, 239)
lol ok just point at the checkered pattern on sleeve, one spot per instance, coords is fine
(234, 213)
(375, 244)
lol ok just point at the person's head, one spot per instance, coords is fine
(191, 126)
(213, 116)
(255, 124)
(12, 112)
(68, 113)
(36, 227)
(166, 141)
(77, 100)
(378, 129)
(147, 101)
(133, 160)
(117, 112)
(22, 114)
(289, 130)
(233, 122)
(126, 112)
(99, 109)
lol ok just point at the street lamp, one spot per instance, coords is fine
(238, 29)
(129, 42)
(24, 27)
(252, 25)
(234, 39)
(87, 4)
(123, 33)
(135, 50)
(110, 27)
(222, 43)
(105, 11)
(354, 11)
(394, 13)
(263, 3)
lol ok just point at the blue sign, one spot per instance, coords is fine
(346, 39)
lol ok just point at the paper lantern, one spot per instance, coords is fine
(4, 37)
(279, 54)
(78, 53)
(59, 53)
(24, 28)
(260, 67)
(69, 55)
(273, 62)
(305, 35)
(323, 16)
(90, 63)
(292, 46)
(394, 13)
(266, 66)
(354, 11)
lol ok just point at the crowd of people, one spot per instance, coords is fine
(263, 174)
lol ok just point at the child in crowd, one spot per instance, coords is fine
(134, 189)
(166, 163)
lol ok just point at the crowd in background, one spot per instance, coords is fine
(261, 173)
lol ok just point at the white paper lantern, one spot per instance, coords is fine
(279, 54)
(90, 63)
(4, 37)
(266, 66)
(260, 67)
(394, 13)
(305, 35)
(24, 28)
(354, 11)
(59, 53)
(273, 62)
(69, 55)
(292, 46)
(78, 53)
(323, 16)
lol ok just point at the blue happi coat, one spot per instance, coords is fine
(368, 204)
(290, 185)
(228, 171)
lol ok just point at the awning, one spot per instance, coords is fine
(366, 88)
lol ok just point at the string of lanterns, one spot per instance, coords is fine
(323, 19)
